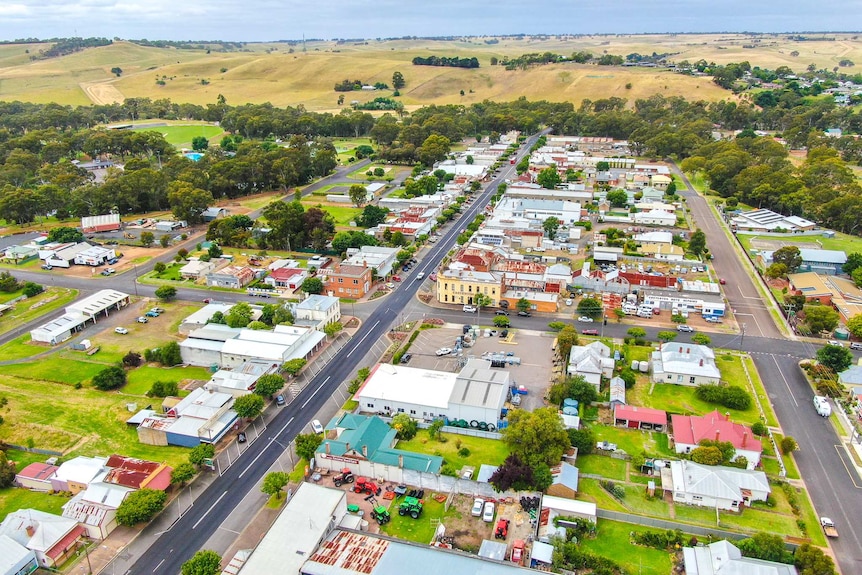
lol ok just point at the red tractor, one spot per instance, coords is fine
(502, 529)
(346, 476)
(365, 485)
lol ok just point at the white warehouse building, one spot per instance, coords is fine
(476, 393)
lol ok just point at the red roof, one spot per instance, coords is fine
(137, 473)
(691, 429)
(284, 274)
(641, 414)
(39, 471)
(66, 542)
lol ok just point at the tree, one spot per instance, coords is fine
(165, 241)
(618, 198)
(590, 307)
(666, 335)
(7, 471)
(433, 149)
(638, 334)
(671, 189)
(835, 357)
(537, 436)
(549, 178)
(147, 239)
(583, 439)
(188, 202)
(820, 318)
(358, 195)
(566, 338)
(163, 389)
(776, 271)
(697, 243)
(333, 328)
(790, 256)
(169, 354)
(65, 235)
(160, 267)
(200, 143)
(854, 325)
(110, 378)
(8, 283)
(435, 430)
(294, 366)
(117, 71)
(788, 445)
(405, 426)
(628, 375)
(248, 406)
(132, 359)
(550, 226)
(274, 483)
(312, 285)
(203, 562)
(201, 452)
(765, 546)
(501, 321)
(32, 289)
(811, 560)
(512, 474)
(166, 293)
(706, 455)
(307, 444)
(582, 390)
(603, 166)
(523, 304)
(268, 385)
(140, 506)
(701, 339)
(398, 80)
(182, 474)
(214, 251)
(239, 315)
(854, 261)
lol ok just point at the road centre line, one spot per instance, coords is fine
(205, 514)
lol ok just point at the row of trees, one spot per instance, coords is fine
(451, 62)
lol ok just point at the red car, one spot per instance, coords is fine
(396, 278)
(721, 281)
(518, 551)
(433, 277)
(590, 332)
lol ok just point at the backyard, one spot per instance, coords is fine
(419, 530)
(614, 542)
(480, 450)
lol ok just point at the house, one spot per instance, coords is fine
(364, 444)
(635, 417)
(196, 269)
(826, 262)
(685, 364)
(283, 343)
(317, 311)
(459, 285)
(201, 417)
(78, 473)
(714, 486)
(214, 213)
(36, 477)
(654, 238)
(565, 482)
(137, 473)
(94, 256)
(289, 278)
(654, 218)
(666, 252)
(96, 508)
(15, 559)
(234, 277)
(659, 181)
(851, 379)
(20, 254)
(52, 538)
(348, 281)
(102, 223)
(690, 430)
(377, 257)
(592, 361)
(725, 558)
(242, 379)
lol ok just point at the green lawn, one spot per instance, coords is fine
(418, 530)
(761, 520)
(603, 466)
(637, 502)
(14, 498)
(343, 214)
(841, 242)
(789, 462)
(56, 369)
(633, 441)
(172, 272)
(44, 303)
(590, 490)
(613, 542)
(636, 352)
(142, 379)
(809, 516)
(488, 451)
(20, 347)
(181, 136)
(361, 174)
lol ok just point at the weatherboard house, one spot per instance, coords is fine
(690, 430)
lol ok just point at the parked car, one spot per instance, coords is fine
(712, 319)
(106, 273)
(158, 309)
(685, 328)
(142, 319)
(241, 438)
(433, 277)
(396, 278)
(856, 345)
(590, 332)
(443, 351)
(488, 512)
(524, 314)
(279, 400)
(585, 319)
(316, 427)
(47, 267)
(469, 309)
(121, 330)
(569, 302)
(390, 285)
(501, 312)
(834, 342)
(406, 358)
(151, 313)
(420, 275)
(478, 505)
(721, 281)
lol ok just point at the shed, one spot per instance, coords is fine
(493, 550)
(565, 482)
(542, 552)
(636, 417)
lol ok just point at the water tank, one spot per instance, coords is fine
(569, 402)
(643, 366)
(841, 334)
(570, 411)
(635, 365)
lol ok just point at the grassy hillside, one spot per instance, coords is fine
(272, 73)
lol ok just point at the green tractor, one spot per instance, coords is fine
(410, 506)
(381, 515)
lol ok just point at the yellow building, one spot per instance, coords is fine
(461, 286)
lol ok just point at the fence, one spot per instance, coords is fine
(34, 450)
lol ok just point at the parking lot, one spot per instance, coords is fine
(534, 352)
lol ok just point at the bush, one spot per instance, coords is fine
(110, 378)
(759, 429)
(160, 267)
(163, 389)
(405, 426)
(464, 452)
(731, 396)
(140, 506)
(584, 439)
(788, 445)
(132, 359)
(201, 452)
(32, 289)
(662, 540)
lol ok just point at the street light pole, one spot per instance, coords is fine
(742, 340)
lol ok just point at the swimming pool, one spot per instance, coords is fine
(194, 156)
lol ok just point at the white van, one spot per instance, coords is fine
(821, 404)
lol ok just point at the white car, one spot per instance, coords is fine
(469, 309)
(478, 505)
(443, 351)
(685, 328)
(316, 427)
(488, 512)
(585, 319)
(390, 285)
(420, 275)
(569, 302)
(834, 342)
(121, 330)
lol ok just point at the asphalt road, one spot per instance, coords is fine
(213, 506)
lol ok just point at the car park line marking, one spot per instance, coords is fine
(205, 514)
(786, 384)
(268, 445)
(840, 450)
(159, 565)
(319, 387)
(358, 343)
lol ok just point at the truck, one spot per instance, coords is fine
(605, 446)
(828, 527)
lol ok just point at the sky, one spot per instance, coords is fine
(267, 20)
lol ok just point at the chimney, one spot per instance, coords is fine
(744, 438)
(687, 350)
(327, 448)
(680, 349)
(727, 416)
(365, 451)
(346, 447)
(701, 363)
(31, 530)
(400, 460)
(717, 433)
